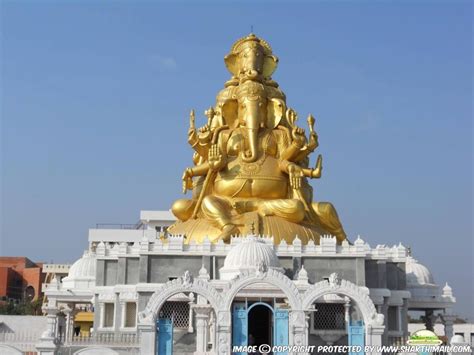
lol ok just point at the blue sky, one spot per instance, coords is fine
(95, 103)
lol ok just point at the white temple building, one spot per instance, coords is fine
(154, 294)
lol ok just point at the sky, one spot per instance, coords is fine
(95, 100)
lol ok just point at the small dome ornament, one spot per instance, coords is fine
(418, 274)
(447, 291)
(82, 273)
(252, 254)
(302, 277)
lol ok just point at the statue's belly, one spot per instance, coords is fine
(253, 180)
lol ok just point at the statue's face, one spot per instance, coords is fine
(252, 112)
(251, 60)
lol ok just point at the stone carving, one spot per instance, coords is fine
(187, 279)
(334, 280)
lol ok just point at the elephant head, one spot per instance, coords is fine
(251, 58)
(253, 110)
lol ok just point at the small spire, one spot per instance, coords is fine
(252, 228)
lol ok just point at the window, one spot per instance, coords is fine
(178, 311)
(329, 316)
(109, 311)
(130, 315)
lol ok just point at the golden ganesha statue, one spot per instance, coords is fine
(251, 161)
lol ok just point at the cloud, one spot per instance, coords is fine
(164, 62)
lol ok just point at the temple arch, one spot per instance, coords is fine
(373, 321)
(272, 277)
(171, 288)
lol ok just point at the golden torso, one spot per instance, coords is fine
(260, 179)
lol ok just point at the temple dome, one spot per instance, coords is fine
(251, 253)
(417, 274)
(82, 273)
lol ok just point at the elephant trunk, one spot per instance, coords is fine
(252, 126)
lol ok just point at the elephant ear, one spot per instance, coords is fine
(230, 113)
(270, 63)
(276, 109)
(231, 62)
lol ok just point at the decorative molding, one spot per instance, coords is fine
(269, 276)
(343, 287)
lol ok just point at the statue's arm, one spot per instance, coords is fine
(312, 143)
(199, 170)
(288, 146)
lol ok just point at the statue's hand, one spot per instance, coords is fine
(187, 180)
(204, 128)
(318, 169)
(215, 158)
(313, 141)
(295, 173)
(298, 136)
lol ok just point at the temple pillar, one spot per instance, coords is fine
(190, 321)
(69, 312)
(429, 319)
(212, 330)
(347, 311)
(223, 333)
(48, 343)
(147, 333)
(298, 329)
(448, 321)
(373, 337)
(202, 312)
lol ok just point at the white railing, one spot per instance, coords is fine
(24, 341)
(109, 339)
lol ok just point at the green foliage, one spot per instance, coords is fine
(32, 308)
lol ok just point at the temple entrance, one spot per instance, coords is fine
(260, 325)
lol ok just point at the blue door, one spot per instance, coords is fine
(281, 329)
(165, 336)
(239, 325)
(356, 336)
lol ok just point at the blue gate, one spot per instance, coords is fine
(239, 325)
(165, 336)
(356, 336)
(281, 329)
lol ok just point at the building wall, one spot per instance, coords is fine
(382, 274)
(5, 274)
(17, 274)
(350, 269)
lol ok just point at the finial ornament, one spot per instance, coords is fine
(251, 161)
(192, 119)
